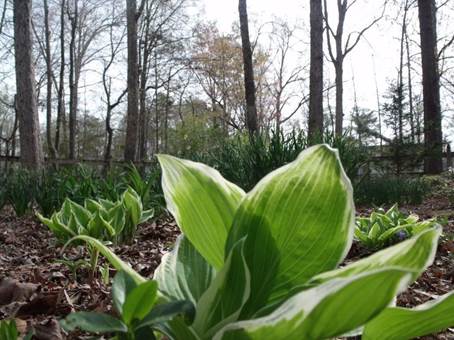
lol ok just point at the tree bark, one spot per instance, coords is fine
(431, 87)
(249, 84)
(61, 85)
(316, 71)
(31, 153)
(133, 91)
(73, 85)
(339, 68)
(49, 75)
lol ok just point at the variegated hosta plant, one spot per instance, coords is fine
(267, 264)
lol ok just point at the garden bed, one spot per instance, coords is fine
(39, 290)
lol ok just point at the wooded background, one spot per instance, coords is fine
(124, 80)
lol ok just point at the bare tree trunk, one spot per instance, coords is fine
(143, 103)
(49, 74)
(431, 87)
(133, 90)
(156, 98)
(31, 154)
(410, 90)
(73, 85)
(61, 84)
(249, 84)
(316, 71)
(339, 68)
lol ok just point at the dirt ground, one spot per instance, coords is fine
(37, 289)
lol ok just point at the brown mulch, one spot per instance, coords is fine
(39, 290)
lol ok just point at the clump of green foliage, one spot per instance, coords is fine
(135, 304)
(46, 190)
(264, 264)
(20, 190)
(8, 331)
(389, 190)
(246, 161)
(384, 228)
(102, 219)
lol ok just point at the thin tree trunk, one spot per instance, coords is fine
(31, 153)
(249, 84)
(73, 95)
(431, 87)
(143, 102)
(133, 90)
(61, 84)
(50, 145)
(410, 90)
(316, 71)
(339, 98)
(156, 95)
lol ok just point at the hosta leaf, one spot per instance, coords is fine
(203, 204)
(177, 328)
(63, 231)
(401, 323)
(98, 226)
(107, 205)
(60, 231)
(223, 300)
(140, 301)
(167, 311)
(325, 311)
(114, 260)
(414, 254)
(122, 285)
(183, 273)
(117, 218)
(82, 215)
(307, 210)
(133, 204)
(93, 322)
(93, 206)
(146, 215)
(374, 232)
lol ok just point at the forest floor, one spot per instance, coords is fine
(37, 290)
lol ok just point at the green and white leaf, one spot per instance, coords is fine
(183, 273)
(302, 220)
(222, 302)
(401, 323)
(114, 260)
(203, 204)
(321, 312)
(414, 254)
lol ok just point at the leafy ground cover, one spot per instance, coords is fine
(39, 289)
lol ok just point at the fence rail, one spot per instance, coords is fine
(61, 161)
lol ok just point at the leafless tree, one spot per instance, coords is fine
(132, 130)
(339, 51)
(316, 71)
(431, 87)
(249, 84)
(31, 153)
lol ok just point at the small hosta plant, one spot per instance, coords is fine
(102, 219)
(265, 264)
(383, 228)
(138, 315)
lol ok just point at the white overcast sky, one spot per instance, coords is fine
(377, 53)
